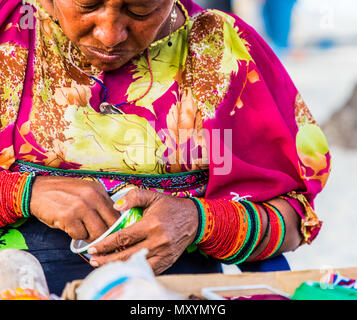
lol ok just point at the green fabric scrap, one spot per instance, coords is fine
(11, 238)
(316, 291)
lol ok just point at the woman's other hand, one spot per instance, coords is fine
(81, 208)
(168, 227)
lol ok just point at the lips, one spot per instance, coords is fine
(105, 56)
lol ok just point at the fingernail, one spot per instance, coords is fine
(120, 202)
(94, 263)
(92, 251)
(119, 205)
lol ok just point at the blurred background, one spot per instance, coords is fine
(316, 41)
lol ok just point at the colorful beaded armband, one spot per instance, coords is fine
(278, 231)
(15, 196)
(230, 231)
(201, 221)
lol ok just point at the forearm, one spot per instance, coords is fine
(234, 232)
(293, 237)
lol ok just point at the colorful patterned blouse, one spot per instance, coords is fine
(222, 115)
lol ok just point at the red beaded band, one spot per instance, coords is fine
(233, 230)
(260, 224)
(12, 186)
(277, 233)
(226, 228)
(209, 221)
(240, 234)
(228, 239)
(18, 193)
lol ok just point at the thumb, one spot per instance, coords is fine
(136, 198)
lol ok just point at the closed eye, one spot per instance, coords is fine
(87, 7)
(136, 15)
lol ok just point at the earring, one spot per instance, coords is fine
(172, 22)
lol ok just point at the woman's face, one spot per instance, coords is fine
(111, 32)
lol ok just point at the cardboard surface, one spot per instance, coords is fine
(188, 285)
(286, 281)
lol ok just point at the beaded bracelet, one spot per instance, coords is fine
(219, 240)
(253, 237)
(8, 181)
(15, 195)
(278, 231)
(259, 222)
(282, 228)
(245, 243)
(229, 242)
(242, 230)
(209, 240)
(12, 186)
(201, 220)
(26, 198)
(231, 231)
(267, 227)
(209, 224)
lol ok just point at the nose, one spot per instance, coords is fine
(110, 31)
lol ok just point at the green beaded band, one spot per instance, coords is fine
(283, 232)
(25, 203)
(201, 221)
(252, 235)
(257, 231)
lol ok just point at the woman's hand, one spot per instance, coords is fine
(168, 227)
(81, 208)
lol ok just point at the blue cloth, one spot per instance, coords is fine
(277, 18)
(278, 263)
(60, 265)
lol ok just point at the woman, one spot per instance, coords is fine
(189, 106)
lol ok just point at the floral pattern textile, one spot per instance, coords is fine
(221, 103)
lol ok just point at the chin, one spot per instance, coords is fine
(104, 66)
(108, 63)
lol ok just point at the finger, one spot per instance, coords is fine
(76, 230)
(158, 265)
(104, 206)
(123, 255)
(122, 238)
(94, 224)
(136, 198)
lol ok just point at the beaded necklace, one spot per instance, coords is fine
(105, 107)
